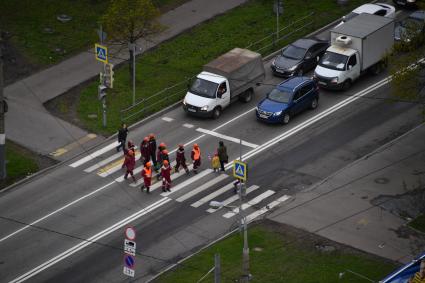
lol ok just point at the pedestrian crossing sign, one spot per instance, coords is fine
(240, 170)
(101, 53)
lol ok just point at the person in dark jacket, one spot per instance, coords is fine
(222, 154)
(159, 159)
(144, 151)
(152, 149)
(180, 160)
(122, 137)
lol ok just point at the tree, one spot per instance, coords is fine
(407, 66)
(127, 21)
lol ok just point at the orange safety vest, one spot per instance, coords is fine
(148, 172)
(197, 154)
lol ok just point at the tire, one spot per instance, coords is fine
(286, 118)
(314, 103)
(346, 85)
(216, 113)
(247, 96)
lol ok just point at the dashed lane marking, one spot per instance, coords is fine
(189, 126)
(224, 137)
(71, 146)
(167, 119)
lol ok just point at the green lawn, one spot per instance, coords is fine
(26, 20)
(182, 57)
(281, 257)
(20, 163)
(418, 223)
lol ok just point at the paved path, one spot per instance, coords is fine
(344, 207)
(28, 123)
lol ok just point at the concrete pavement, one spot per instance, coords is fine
(356, 205)
(29, 124)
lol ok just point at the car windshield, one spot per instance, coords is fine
(283, 96)
(350, 16)
(293, 52)
(204, 88)
(333, 61)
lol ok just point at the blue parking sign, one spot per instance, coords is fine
(101, 53)
(240, 170)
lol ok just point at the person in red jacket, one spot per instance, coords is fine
(129, 163)
(180, 160)
(166, 176)
(196, 157)
(144, 151)
(130, 145)
(147, 177)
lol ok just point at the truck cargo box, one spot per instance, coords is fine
(372, 36)
(243, 68)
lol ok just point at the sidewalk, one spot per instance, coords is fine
(29, 124)
(358, 205)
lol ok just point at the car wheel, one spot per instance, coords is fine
(285, 119)
(247, 95)
(314, 103)
(216, 113)
(346, 85)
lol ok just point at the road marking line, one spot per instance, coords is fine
(71, 146)
(224, 137)
(212, 195)
(90, 241)
(94, 154)
(56, 211)
(114, 166)
(203, 187)
(167, 119)
(233, 198)
(188, 182)
(250, 203)
(103, 162)
(266, 208)
(189, 126)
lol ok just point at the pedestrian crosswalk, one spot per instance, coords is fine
(197, 190)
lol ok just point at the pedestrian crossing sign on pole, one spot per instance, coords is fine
(240, 170)
(101, 53)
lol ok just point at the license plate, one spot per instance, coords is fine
(263, 116)
(322, 83)
(191, 110)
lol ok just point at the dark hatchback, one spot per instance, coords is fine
(299, 57)
(289, 98)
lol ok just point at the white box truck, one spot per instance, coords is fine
(230, 77)
(357, 45)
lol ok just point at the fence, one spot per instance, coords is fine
(176, 92)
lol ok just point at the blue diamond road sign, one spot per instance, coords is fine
(240, 170)
(101, 53)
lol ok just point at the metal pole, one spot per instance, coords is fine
(2, 126)
(217, 269)
(245, 264)
(104, 111)
(134, 74)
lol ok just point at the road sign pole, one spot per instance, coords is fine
(217, 269)
(2, 111)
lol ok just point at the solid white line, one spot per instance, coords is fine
(212, 195)
(89, 241)
(202, 187)
(188, 182)
(104, 162)
(116, 168)
(189, 126)
(250, 203)
(224, 137)
(94, 154)
(167, 119)
(233, 198)
(266, 208)
(56, 211)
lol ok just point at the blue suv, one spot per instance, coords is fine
(289, 98)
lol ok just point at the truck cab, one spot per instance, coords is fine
(338, 68)
(207, 96)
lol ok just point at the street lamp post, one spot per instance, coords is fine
(246, 276)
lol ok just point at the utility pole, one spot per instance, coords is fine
(132, 48)
(2, 111)
(217, 269)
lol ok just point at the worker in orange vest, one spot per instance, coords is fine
(147, 177)
(196, 157)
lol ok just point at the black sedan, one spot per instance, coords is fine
(299, 57)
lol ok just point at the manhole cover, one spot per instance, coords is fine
(64, 18)
(382, 180)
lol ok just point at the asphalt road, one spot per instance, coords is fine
(78, 212)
